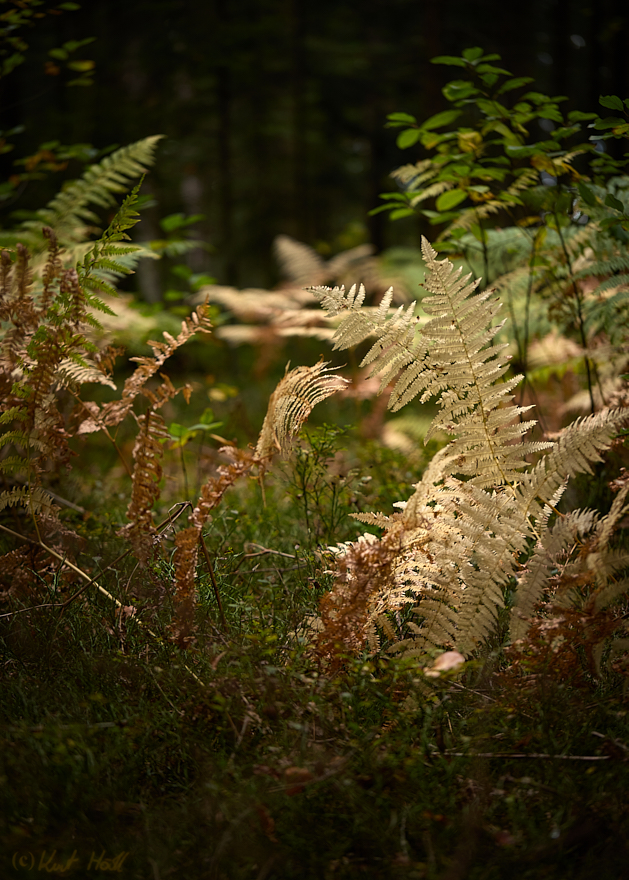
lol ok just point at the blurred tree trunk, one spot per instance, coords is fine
(225, 168)
(300, 201)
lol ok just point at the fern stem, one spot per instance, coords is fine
(184, 470)
(210, 569)
(483, 241)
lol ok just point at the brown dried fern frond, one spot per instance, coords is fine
(290, 405)
(147, 473)
(113, 413)
(41, 333)
(363, 573)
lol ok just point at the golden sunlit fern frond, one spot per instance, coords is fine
(298, 262)
(397, 347)
(301, 265)
(292, 402)
(480, 503)
(449, 359)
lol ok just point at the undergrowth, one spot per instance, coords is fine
(194, 683)
(241, 757)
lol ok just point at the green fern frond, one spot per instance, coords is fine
(12, 464)
(95, 282)
(35, 499)
(14, 413)
(20, 437)
(68, 212)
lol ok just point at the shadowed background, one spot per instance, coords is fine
(274, 110)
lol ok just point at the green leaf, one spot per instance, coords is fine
(550, 111)
(518, 152)
(489, 68)
(59, 54)
(440, 119)
(452, 60)
(81, 66)
(612, 102)
(401, 212)
(408, 137)
(174, 222)
(73, 45)
(69, 7)
(380, 209)
(492, 108)
(472, 54)
(586, 193)
(396, 196)
(450, 199)
(515, 83)
(491, 174)
(402, 117)
(612, 202)
(608, 122)
(579, 116)
(459, 90)
(201, 279)
(430, 139)
(535, 97)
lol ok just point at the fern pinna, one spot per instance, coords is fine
(480, 506)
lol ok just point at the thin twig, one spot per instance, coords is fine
(262, 550)
(536, 755)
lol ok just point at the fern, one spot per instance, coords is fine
(480, 504)
(69, 214)
(451, 360)
(35, 499)
(289, 406)
(147, 473)
(44, 346)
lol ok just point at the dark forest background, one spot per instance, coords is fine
(274, 110)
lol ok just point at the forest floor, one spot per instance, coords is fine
(246, 756)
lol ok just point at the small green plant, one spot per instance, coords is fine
(556, 206)
(315, 485)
